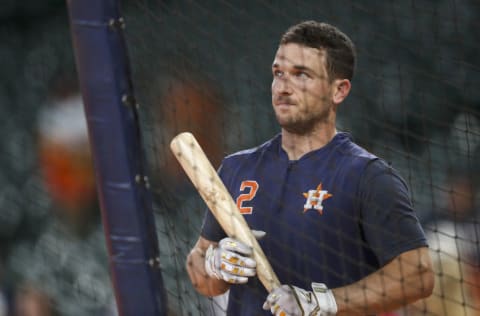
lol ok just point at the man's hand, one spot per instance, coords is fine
(231, 261)
(293, 301)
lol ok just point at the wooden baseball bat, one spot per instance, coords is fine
(211, 188)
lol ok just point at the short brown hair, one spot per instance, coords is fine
(339, 48)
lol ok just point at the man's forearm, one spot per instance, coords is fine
(204, 284)
(405, 279)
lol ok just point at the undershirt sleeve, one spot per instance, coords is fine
(389, 223)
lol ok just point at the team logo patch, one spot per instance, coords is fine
(315, 199)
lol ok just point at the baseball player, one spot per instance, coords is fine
(339, 228)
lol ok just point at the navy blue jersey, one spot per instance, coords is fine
(334, 216)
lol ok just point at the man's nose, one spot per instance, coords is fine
(282, 85)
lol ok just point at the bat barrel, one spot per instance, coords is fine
(211, 188)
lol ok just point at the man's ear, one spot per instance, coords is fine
(341, 89)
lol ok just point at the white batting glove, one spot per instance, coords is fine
(293, 301)
(231, 261)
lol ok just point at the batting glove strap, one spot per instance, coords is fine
(326, 301)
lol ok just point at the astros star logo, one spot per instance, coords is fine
(315, 199)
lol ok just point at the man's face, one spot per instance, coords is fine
(301, 92)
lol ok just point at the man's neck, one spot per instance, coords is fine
(298, 145)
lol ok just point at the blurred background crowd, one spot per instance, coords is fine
(205, 67)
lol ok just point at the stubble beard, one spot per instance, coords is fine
(303, 123)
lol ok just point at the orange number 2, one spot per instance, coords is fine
(253, 187)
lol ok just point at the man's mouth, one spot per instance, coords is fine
(284, 102)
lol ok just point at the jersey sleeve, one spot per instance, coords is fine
(389, 222)
(211, 229)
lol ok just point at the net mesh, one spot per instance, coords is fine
(204, 68)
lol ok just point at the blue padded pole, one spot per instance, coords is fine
(125, 200)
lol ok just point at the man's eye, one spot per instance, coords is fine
(302, 75)
(278, 73)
